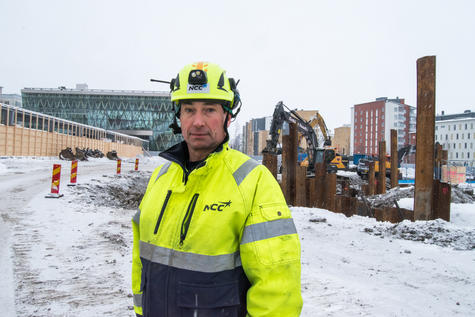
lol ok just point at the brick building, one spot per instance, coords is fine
(372, 122)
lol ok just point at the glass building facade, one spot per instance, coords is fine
(144, 114)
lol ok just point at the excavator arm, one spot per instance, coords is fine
(317, 120)
(282, 115)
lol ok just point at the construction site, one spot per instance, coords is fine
(316, 183)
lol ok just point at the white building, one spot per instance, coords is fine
(456, 133)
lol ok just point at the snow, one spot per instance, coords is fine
(71, 256)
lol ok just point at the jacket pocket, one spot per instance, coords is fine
(208, 299)
(276, 239)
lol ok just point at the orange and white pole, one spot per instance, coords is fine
(55, 182)
(74, 173)
(136, 164)
(119, 162)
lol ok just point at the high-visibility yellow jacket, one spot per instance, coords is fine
(219, 241)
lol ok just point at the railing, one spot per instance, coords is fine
(27, 133)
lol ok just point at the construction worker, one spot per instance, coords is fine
(213, 235)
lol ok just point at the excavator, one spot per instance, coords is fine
(339, 161)
(315, 154)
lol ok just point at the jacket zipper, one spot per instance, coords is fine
(162, 211)
(187, 220)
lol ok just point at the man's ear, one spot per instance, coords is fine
(228, 119)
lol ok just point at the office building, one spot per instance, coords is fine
(144, 114)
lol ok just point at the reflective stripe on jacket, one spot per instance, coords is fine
(218, 242)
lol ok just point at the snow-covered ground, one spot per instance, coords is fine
(71, 256)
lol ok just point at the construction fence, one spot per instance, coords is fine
(28, 133)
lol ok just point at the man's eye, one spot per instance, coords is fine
(188, 110)
(210, 109)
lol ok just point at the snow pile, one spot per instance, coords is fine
(125, 191)
(394, 194)
(436, 232)
(459, 195)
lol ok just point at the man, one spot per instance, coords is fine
(214, 235)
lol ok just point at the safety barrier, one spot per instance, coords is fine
(119, 163)
(55, 180)
(74, 173)
(28, 133)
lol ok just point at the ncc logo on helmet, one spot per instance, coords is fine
(198, 89)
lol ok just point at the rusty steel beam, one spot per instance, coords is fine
(300, 186)
(330, 191)
(269, 160)
(286, 178)
(441, 202)
(394, 157)
(423, 193)
(382, 168)
(319, 181)
(289, 163)
(309, 183)
(371, 180)
(312, 192)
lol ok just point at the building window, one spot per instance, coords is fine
(466, 126)
(468, 135)
(468, 154)
(462, 154)
(436, 128)
(455, 127)
(460, 126)
(436, 137)
(457, 136)
(449, 127)
(465, 145)
(454, 145)
(460, 146)
(457, 155)
(446, 137)
(451, 136)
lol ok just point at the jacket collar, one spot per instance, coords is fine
(178, 153)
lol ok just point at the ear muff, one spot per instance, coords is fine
(236, 105)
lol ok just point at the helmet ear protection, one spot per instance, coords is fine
(236, 105)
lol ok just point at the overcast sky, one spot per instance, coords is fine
(324, 55)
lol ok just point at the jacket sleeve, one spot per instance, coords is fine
(136, 262)
(136, 266)
(270, 252)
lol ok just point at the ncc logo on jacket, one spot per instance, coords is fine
(217, 206)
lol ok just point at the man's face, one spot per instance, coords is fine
(202, 126)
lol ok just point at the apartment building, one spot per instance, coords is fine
(372, 122)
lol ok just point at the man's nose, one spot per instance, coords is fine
(198, 119)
